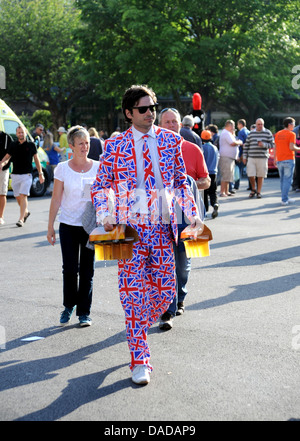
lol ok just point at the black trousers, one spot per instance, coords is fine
(210, 195)
(296, 178)
(78, 268)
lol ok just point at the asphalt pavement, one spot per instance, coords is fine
(234, 355)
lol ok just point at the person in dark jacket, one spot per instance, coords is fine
(96, 145)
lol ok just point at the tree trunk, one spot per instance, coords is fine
(59, 119)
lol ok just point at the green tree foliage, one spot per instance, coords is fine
(235, 53)
(40, 54)
(238, 55)
(131, 41)
(42, 117)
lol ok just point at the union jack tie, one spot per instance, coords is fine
(151, 191)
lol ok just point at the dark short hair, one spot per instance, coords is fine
(288, 121)
(133, 95)
(242, 121)
(213, 128)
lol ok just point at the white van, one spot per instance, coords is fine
(8, 124)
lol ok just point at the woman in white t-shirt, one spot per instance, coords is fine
(71, 192)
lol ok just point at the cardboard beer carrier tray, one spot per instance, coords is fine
(196, 245)
(115, 244)
(118, 243)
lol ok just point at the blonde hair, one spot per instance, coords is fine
(48, 140)
(93, 132)
(114, 134)
(77, 132)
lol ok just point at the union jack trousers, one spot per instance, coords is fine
(147, 286)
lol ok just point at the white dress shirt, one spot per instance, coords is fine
(141, 205)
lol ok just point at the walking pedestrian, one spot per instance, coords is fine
(242, 135)
(63, 143)
(296, 178)
(255, 155)
(96, 144)
(38, 134)
(71, 193)
(193, 158)
(187, 131)
(284, 158)
(198, 179)
(228, 154)
(213, 128)
(52, 150)
(21, 153)
(211, 156)
(144, 167)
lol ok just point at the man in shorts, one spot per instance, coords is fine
(228, 154)
(5, 141)
(21, 153)
(255, 155)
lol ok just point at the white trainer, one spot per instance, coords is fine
(288, 202)
(140, 374)
(2, 221)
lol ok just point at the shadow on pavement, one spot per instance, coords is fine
(79, 391)
(252, 291)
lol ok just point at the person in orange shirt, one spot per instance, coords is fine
(285, 146)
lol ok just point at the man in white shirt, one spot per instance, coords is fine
(228, 154)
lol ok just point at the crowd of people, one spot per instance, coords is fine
(143, 166)
(250, 149)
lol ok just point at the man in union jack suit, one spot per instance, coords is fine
(144, 168)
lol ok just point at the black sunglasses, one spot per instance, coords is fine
(143, 109)
(169, 108)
